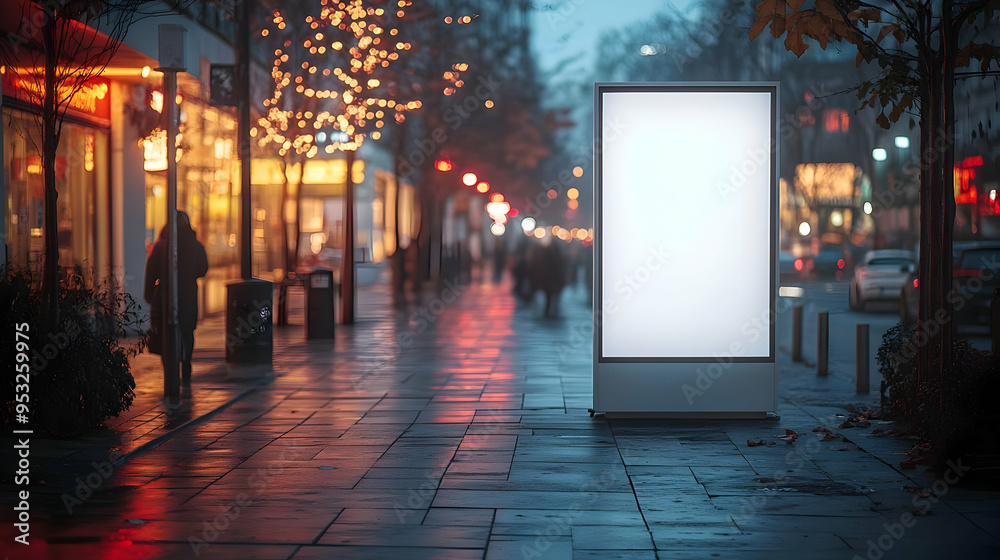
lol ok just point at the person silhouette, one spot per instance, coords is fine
(192, 264)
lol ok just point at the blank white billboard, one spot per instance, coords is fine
(685, 225)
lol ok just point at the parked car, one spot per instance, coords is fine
(880, 277)
(975, 276)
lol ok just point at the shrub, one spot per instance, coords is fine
(950, 411)
(80, 373)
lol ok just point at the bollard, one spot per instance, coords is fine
(797, 333)
(863, 381)
(995, 321)
(823, 344)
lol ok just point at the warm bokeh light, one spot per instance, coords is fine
(552, 194)
(145, 71)
(496, 197)
(470, 179)
(804, 229)
(573, 204)
(539, 233)
(528, 224)
(578, 171)
(513, 213)
(497, 229)
(443, 165)
(483, 186)
(572, 194)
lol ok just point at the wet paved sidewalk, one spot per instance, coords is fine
(459, 429)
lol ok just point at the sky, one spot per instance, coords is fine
(570, 29)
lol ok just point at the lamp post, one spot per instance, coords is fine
(249, 301)
(171, 54)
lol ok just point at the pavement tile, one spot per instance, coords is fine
(383, 552)
(549, 548)
(404, 535)
(475, 441)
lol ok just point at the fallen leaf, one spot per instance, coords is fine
(829, 436)
(918, 491)
(821, 429)
(846, 424)
(753, 443)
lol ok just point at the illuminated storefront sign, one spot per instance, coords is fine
(686, 244)
(92, 99)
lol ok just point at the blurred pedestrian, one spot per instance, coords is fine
(519, 271)
(192, 264)
(547, 270)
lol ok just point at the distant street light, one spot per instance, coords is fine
(879, 154)
(528, 224)
(804, 229)
(902, 142)
(469, 179)
(868, 208)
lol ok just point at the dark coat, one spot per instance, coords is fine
(192, 264)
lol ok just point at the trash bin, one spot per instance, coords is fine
(319, 303)
(249, 337)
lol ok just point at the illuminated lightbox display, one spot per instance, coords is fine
(686, 244)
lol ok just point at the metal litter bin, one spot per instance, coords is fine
(320, 316)
(248, 321)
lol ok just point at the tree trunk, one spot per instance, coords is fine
(398, 261)
(286, 260)
(347, 262)
(949, 46)
(50, 141)
(298, 218)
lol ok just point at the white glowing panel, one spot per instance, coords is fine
(686, 237)
(685, 244)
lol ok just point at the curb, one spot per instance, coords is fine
(168, 435)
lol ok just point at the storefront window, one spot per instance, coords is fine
(83, 205)
(207, 189)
